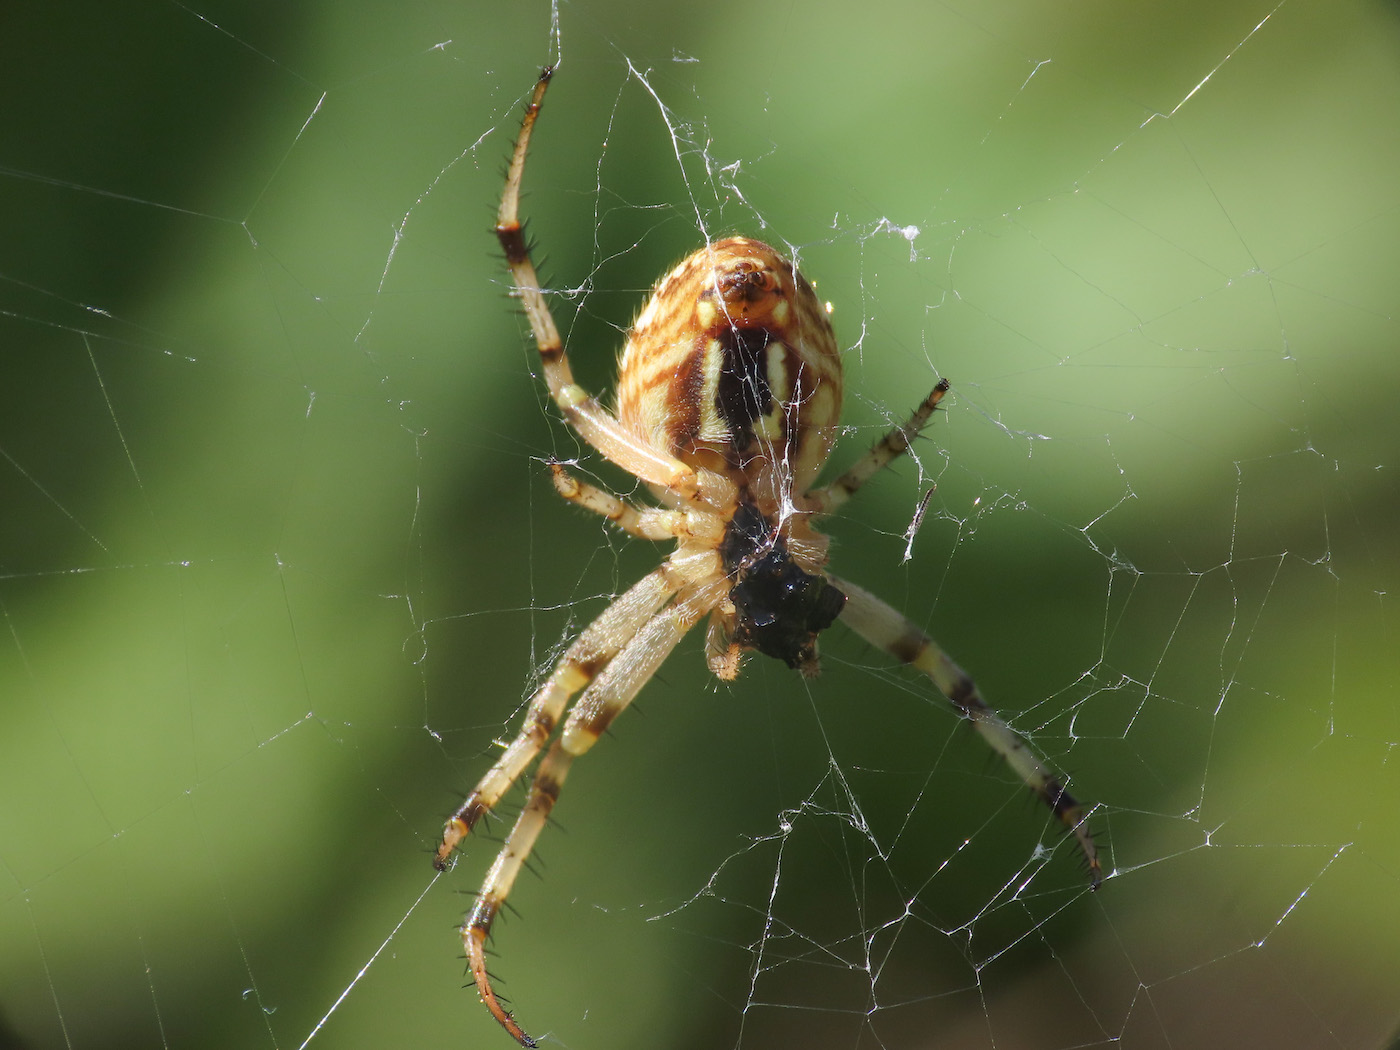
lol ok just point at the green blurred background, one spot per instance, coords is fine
(279, 558)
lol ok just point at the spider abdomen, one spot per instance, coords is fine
(732, 366)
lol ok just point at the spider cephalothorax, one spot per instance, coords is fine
(729, 394)
(779, 608)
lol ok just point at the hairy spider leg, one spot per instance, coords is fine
(893, 445)
(544, 792)
(590, 652)
(612, 690)
(648, 523)
(581, 409)
(886, 628)
(615, 656)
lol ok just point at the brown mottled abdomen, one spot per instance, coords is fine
(732, 366)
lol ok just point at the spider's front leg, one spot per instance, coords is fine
(544, 792)
(882, 626)
(598, 644)
(615, 686)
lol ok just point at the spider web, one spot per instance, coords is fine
(281, 561)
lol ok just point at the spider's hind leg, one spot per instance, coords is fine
(579, 408)
(890, 447)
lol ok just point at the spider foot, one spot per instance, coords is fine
(474, 934)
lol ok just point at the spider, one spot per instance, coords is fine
(729, 395)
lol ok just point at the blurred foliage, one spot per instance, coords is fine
(280, 558)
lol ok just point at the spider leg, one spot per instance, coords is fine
(599, 643)
(612, 690)
(648, 523)
(544, 792)
(618, 684)
(882, 626)
(894, 444)
(581, 409)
